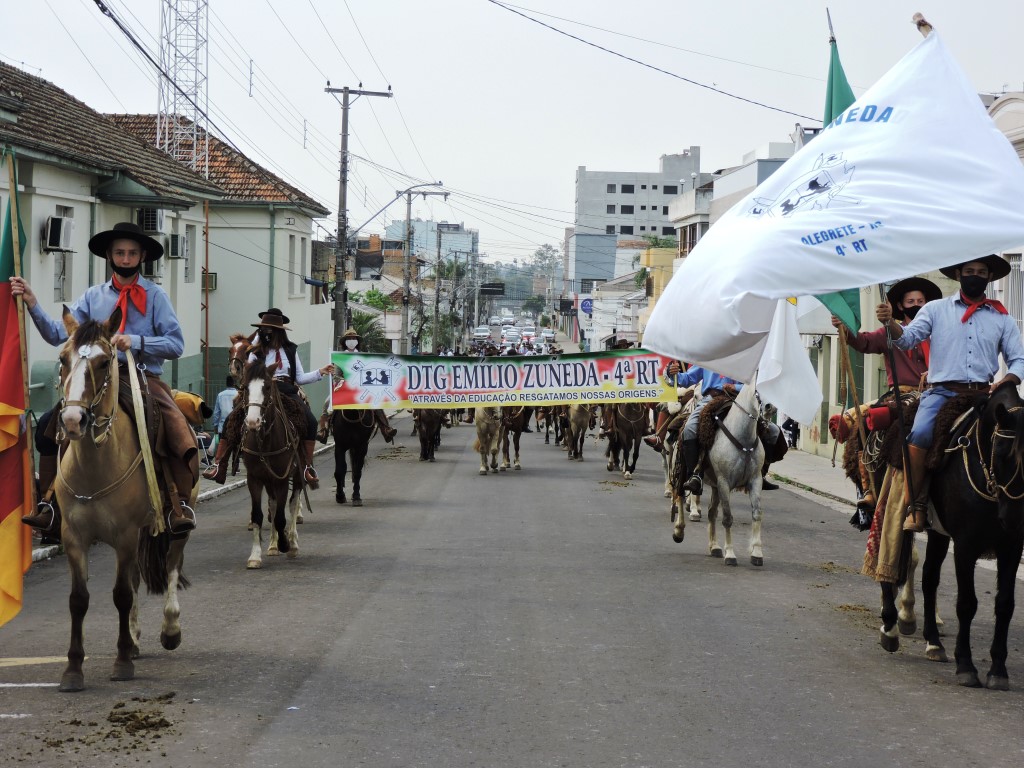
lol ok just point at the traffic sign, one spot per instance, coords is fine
(587, 306)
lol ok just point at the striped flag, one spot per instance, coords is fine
(16, 481)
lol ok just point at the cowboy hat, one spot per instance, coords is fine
(899, 290)
(997, 267)
(272, 318)
(351, 333)
(100, 242)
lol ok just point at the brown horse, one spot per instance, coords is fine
(488, 429)
(581, 418)
(352, 430)
(630, 426)
(430, 421)
(269, 447)
(103, 494)
(513, 420)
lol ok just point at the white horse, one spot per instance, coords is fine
(684, 501)
(581, 418)
(733, 463)
(488, 426)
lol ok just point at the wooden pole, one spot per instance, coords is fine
(20, 304)
(844, 356)
(922, 24)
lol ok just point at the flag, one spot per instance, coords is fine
(838, 97)
(15, 461)
(913, 177)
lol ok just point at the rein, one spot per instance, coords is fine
(747, 453)
(275, 410)
(359, 418)
(94, 422)
(992, 485)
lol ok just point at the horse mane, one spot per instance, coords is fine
(256, 369)
(90, 332)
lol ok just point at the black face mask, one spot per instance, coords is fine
(265, 337)
(911, 312)
(973, 286)
(126, 272)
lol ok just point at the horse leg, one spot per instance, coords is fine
(123, 668)
(631, 467)
(280, 516)
(292, 534)
(714, 548)
(694, 506)
(756, 517)
(133, 617)
(256, 516)
(483, 459)
(358, 462)
(78, 602)
(723, 496)
(494, 454)
(905, 599)
(966, 609)
(170, 629)
(1007, 560)
(504, 449)
(678, 518)
(888, 636)
(934, 555)
(340, 468)
(515, 442)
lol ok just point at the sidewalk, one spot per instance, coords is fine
(815, 476)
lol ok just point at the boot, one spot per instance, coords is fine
(866, 501)
(218, 471)
(181, 518)
(46, 517)
(654, 441)
(386, 429)
(323, 427)
(917, 509)
(309, 474)
(691, 455)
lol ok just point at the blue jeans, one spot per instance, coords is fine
(690, 429)
(932, 400)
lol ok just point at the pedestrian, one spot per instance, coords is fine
(967, 332)
(223, 406)
(150, 330)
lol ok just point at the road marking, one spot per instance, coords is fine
(28, 685)
(12, 717)
(29, 660)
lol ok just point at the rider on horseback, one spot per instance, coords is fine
(906, 298)
(281, 356)
(150, 329)
(351, 341)
(968, 332)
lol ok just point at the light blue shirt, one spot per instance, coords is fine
(708, 379)
(223, 406)
(156, 334)
(965, 352)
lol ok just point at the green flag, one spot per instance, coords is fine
(838, 97)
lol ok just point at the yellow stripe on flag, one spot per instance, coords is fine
(15, 542)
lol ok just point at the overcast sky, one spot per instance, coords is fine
(498, 107)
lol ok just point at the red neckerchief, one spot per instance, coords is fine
(132, 291)
(972, 307)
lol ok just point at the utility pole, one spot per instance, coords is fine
(407, 272)
(437, 291)
(341, 250)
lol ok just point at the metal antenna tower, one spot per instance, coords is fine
(184, 56)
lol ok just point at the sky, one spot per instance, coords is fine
(498, 107)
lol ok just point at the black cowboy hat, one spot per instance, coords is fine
(997, 267)
(895, 294)
(100, 242)
(272, 318)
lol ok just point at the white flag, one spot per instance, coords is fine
(913, 177)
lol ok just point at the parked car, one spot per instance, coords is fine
(482, 333)
(547, 335)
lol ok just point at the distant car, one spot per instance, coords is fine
(482, 333)
(508, 321)
(529, 332)
(495, 320)
(512, 337)
(547, 335)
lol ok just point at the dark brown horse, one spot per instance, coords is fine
(513, 420)
(103, 494)
(352, 429)
(430, 421)
(269, 447)
(630, 427)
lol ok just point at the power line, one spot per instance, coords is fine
(84, 56)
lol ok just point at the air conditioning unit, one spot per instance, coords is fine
(57, 233)
(153, 270)
(209, 281)
(151, 220)
(178, 247)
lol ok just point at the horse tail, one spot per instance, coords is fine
(153, 562)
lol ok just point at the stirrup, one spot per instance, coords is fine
(186, 522)
(41, 508)
(694, 484)
(210, 473)
(311, 478)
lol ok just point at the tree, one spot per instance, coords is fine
(378, 300)
(370, 331)
(546, 261)
(534, 305)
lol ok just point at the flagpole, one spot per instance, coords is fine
(20, 304)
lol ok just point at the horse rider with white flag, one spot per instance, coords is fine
(150, 329)
(967, 332)
(908, 370)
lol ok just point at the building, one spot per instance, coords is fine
(430, 238)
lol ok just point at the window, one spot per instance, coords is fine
(643, 207)
(643, 186)
(611, 189)
(664, 210)
(667, 230)
(644, 229)
(609, 209)
(609, 229)
(654, 186)
(62, 263)
(293, 276)
(303, 266)
(627, 189)
(626, 209)
(670, 189)
(625, 230)
(190, 249)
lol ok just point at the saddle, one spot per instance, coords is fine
(234, 425)
(709, 423)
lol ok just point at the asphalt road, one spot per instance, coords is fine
(533, 618)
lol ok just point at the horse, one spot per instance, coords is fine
(104, 444)
(630, 425)
(430, 420)
(513, 420)
(671, 457)
(488, 429)
(352, 429)
(733, 463)
(238, 354)
(269, 446)
(581, 418)
(978, 500)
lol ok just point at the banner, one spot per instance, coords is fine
(913, 177)
(397, 381)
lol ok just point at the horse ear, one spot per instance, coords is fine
(70, 324)
(114, 321)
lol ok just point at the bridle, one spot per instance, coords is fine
(992, 485)
(99, 425)
(271, 411)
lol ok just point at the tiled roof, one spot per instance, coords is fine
(37, 116)
(236, 174)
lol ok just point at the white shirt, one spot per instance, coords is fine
(278, 355)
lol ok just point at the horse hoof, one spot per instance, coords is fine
(273, 552)
(170, 642)
(996, 683)
(716, 552)
(283, 545)
(357, 502)
(968, 679)
(250, 526)
(494, 470)
(123, 670)
(889, 643)
(517, 467)
(293, 552)
(483, 471)
(907, 627)
(253, 565)
(72, 682)
(677, 538)
(936, 653)
(340, 498)
(730, 561)
(431, 459)
(422, 459)
(668, 494)
(756, 560)
(610, 467)
(298, 520)
(503, 468)
(695, 517)
(628, 475)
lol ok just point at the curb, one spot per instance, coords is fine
(808, 489)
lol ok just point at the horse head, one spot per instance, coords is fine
(1003, 419)
(256, 383)
(88, 374)
(238, 353)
